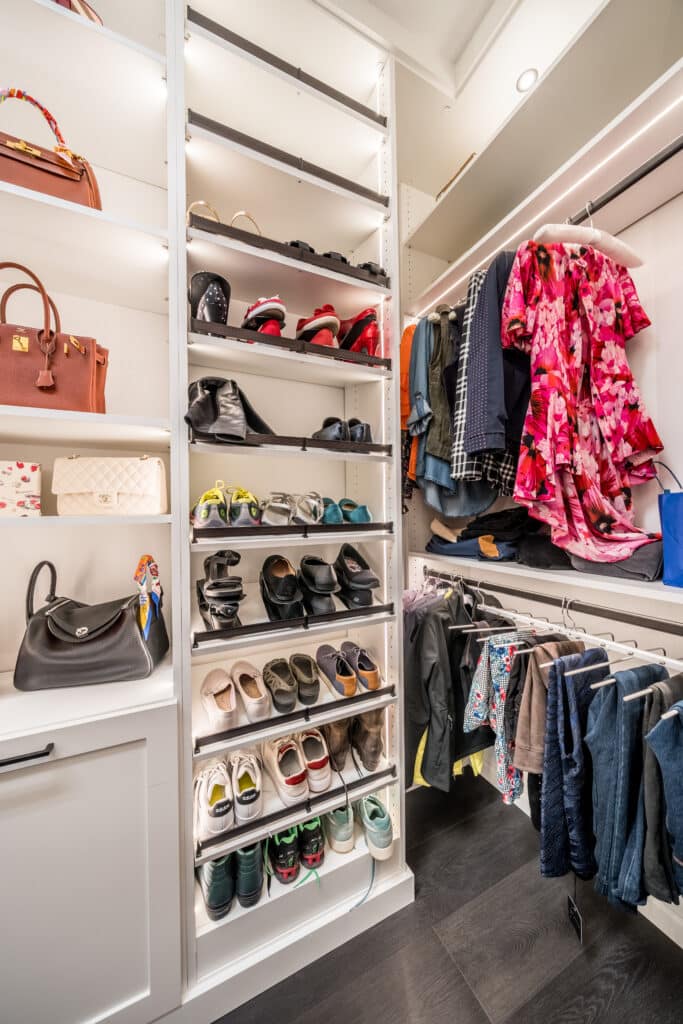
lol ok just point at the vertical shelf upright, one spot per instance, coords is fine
(338, 197)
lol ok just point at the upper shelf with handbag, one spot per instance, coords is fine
(46, 368)
(56, 172)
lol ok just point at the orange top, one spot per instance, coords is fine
(406, 346)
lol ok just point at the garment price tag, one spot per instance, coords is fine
(575, 918)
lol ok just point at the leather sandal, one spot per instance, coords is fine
(280, 589)
(305, 671)
(277, 509)
(217, 613)
(309, 508)
(278, 677)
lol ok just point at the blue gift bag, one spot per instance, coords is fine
(671, 516)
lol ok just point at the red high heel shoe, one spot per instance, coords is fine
(361, 333)
(321, 328)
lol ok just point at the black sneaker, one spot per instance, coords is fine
(283, 854)
(311, 843)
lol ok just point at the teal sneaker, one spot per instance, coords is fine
(376, 823)
(339, 829)
(249, 872)
(217, 881)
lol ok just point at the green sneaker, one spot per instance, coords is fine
(311, 843)
(249, 883)
(339, 829)
(376, 823)
(283, 855)
(217, 881)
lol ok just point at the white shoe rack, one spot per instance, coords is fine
(121, 275)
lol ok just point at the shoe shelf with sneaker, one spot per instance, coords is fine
(291, 544)
(234, 706)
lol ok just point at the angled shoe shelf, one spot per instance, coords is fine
(199, 126)
(328, 709)
(306, 447)
(199, 24)
(294, 535)
(350, 784)
(265, 632)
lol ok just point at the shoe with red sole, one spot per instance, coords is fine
(321, 328)
(266, 316)
(360, 333)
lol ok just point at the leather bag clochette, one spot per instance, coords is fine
(68, 643)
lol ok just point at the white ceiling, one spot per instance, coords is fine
(445, 26)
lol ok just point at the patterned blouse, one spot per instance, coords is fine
(486, 705)
(587, 437)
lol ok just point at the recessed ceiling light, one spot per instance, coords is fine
(527, 79)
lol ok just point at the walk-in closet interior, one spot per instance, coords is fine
(340, 460)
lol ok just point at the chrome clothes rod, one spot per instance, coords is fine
(572, 606)
(588, 638)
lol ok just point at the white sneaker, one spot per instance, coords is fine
(315, 755)
(247, 785)
(213, 804)
(251, 688)
(285, 765)
(219, 700)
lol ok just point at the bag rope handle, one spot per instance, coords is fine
(19, 94)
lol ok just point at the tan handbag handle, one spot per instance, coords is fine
(245, 213)
(43, 295)
(204, 205)
(30, 287)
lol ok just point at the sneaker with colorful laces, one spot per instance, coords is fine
(211, 511)
(244, 508)
(282, 851)
(311, 843)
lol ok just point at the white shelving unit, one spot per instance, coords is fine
(121, 275)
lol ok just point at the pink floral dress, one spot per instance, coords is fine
(587, 437)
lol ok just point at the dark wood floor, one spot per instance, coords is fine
(487, 940)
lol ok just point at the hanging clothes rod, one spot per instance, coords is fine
(629, 181)
(572, 606)
(589, 638)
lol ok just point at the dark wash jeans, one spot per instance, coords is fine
(614, 738)
(566, 809)
(666, 740)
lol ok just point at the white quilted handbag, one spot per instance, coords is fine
(109, 486)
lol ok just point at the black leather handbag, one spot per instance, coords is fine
(68, 643)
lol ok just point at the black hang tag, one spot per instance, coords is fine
(575, 918)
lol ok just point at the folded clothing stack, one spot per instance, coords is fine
(510, 535)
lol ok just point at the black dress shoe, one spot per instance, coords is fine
(280, 589)
(209, 296)
(333, 429)
(353, 572)
(318, 582)
(360, 433)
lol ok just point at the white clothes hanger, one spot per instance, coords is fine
(575, 234)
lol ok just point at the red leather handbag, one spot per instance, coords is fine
(57, 172)
(46, 368)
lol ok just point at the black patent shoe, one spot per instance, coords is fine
(353, 572)
(209, 296)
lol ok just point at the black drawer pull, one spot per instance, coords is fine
(33, 756)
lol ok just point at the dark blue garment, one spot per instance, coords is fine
(471, 549)
(666, 740)
(614, 738)
(566, 807)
